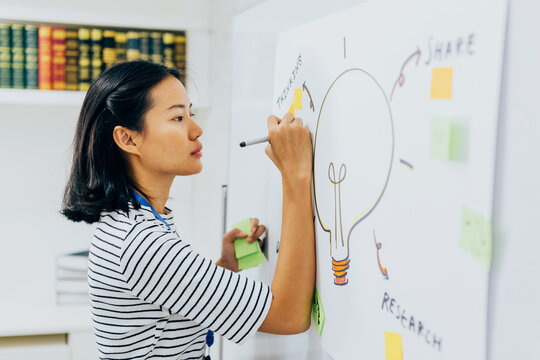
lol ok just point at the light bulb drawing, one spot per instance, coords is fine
(344, 198)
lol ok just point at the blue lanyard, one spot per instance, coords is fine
(142, 201)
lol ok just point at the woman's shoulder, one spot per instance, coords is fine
(121, 219)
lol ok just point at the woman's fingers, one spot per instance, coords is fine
(273, 121)
(288, 118)
(234, 234)
(254, 224)
(257, 234)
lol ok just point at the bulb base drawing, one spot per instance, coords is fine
(340, 268)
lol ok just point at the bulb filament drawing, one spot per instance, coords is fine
(339, 266)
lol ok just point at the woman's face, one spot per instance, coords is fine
(170, 138)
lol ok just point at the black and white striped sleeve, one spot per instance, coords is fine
(161, 269)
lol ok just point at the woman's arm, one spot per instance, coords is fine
(294, 279)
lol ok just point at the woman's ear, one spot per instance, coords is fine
(126, 139)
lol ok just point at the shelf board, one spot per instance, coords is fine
(41, 97)
(112, 17)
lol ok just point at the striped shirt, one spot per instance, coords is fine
(152, 296)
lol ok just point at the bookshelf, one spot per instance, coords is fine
(194, 24)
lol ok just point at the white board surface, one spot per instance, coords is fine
(389, 208)
(511, 304)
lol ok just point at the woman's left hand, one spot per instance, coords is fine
(228, 259)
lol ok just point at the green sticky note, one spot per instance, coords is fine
(252, 260)
(317, 311)
(241, 246)
(393, 346)
(244, 225)
(459, 142)
(440, 142)
(476, 236)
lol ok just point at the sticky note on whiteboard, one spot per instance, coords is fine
(297, 102)
(393, 346)
(440, 142)
(441, 83)
(317, 311)
(476, 235)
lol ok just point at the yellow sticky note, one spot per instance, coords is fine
(394, 350)
(297, 99)
(475, 236)
(441, 83)
(291, 109)
(297, 102)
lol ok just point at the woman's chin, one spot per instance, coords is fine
(193, 170)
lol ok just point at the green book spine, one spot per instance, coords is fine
(144, 45)
(84, 59)
(17, 56)
(5, 55)
(72, 59)
(31, 56)
(96, 49)
(168, 50)
(121, 45)
(156, 47)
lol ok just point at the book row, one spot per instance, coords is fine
(62, 58)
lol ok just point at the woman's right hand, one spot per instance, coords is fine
(289, 146)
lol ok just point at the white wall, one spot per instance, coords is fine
(215, 120)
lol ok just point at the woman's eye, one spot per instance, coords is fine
(179, 118)
(191, 115)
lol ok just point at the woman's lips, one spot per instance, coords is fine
(197, 151)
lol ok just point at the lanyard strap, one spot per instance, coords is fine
(142, 201)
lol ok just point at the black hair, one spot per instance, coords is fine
(99, 180)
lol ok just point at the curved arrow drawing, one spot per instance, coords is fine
(384, 271)
(310, 100)
(401, 78)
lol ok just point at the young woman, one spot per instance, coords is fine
(152, 296)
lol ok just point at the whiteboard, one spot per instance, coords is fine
(368, 84)
(255, 40)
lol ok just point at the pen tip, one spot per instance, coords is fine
(243, 144)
